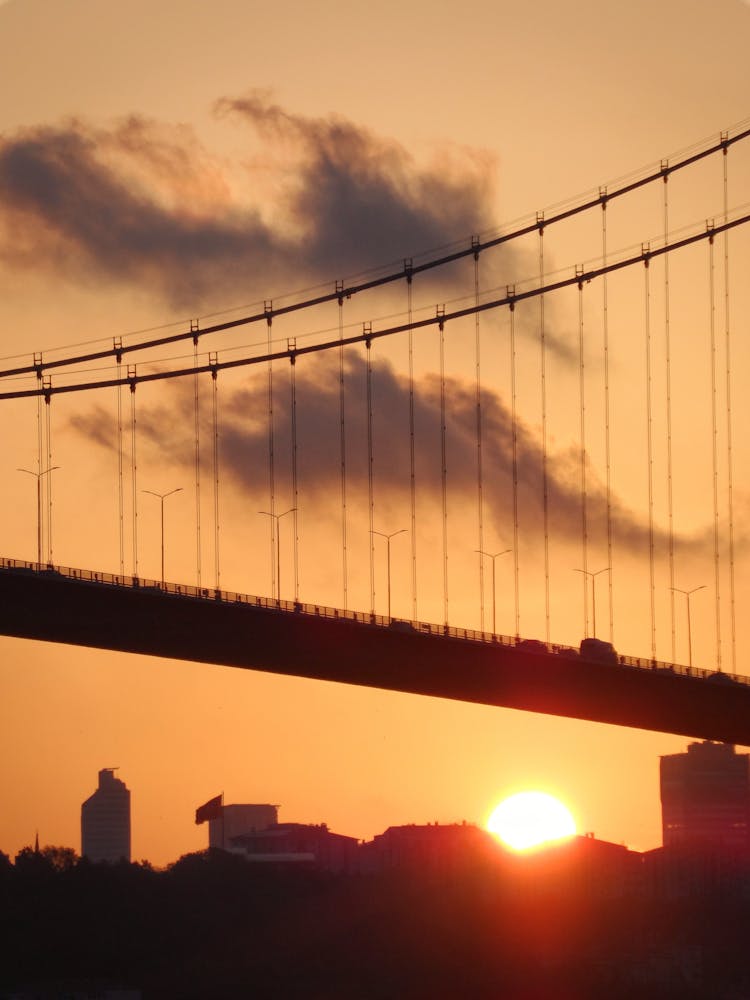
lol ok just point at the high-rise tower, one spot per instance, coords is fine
(105, 820)
(705, 796)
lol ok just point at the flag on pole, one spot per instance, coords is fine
(213, 809)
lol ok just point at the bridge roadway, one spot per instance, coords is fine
(99, 610)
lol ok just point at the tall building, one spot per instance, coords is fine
(105, 820)
(705, 796)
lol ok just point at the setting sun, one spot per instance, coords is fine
(529, 819)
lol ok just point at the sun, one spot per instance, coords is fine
(529, 819)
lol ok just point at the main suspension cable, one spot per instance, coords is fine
(518, 296)
(399, 275)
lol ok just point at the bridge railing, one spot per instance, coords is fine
(362, 617)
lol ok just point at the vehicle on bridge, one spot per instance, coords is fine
(598, 651)
(532, 646)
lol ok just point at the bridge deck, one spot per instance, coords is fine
(106, 612)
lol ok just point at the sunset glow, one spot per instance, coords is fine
(529, 819)
(558, 471)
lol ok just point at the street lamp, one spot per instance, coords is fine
(687, 594)
(388, 557)
(162, 497)
(38, 477)
(493, 556)
(593, 576)
(277, 518)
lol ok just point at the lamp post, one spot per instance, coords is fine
(687, 594)
(277, 518)
(388, 557)
(38, 477)
(593, 576)
(162, 497)
(493, 556)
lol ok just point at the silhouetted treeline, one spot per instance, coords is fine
(215, 925)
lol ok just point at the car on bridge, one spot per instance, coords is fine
(598, 651)
(532, 646)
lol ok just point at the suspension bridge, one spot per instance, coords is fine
(375, 462)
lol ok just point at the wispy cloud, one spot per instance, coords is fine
(244, 450)
(142, 204)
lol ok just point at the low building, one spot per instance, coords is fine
(298, 843)
(433, 846)
(235, 820)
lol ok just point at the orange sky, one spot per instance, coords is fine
(473, 118)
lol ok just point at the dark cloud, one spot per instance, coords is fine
(165, 432)
(360, 199)
(95, 206)
(144, 205)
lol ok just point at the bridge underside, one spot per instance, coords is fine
(54, 608)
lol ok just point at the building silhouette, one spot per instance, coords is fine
(433, 846)
(705, 797)
(105, 820)
(237, 820)
(311, 844)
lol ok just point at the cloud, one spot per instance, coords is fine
(360, 199)
(144, 205)
(164, 433)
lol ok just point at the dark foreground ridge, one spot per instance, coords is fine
(85, 608)
(581, 920)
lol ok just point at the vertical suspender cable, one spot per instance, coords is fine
(543, 375)
(412, 450)
(39, 460)
(197, 427)
(730, 483)
(295, 493)
(443, 466)
(584, 498)
(268, 306)
(215, 427)
(120, 489)
(478, 379)
(714, 445)
(607, 441)
(133, 466)
(650, 449)
(514, 442)
(370, 484)
(342, 434)
(668, 374)
(48, 477)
